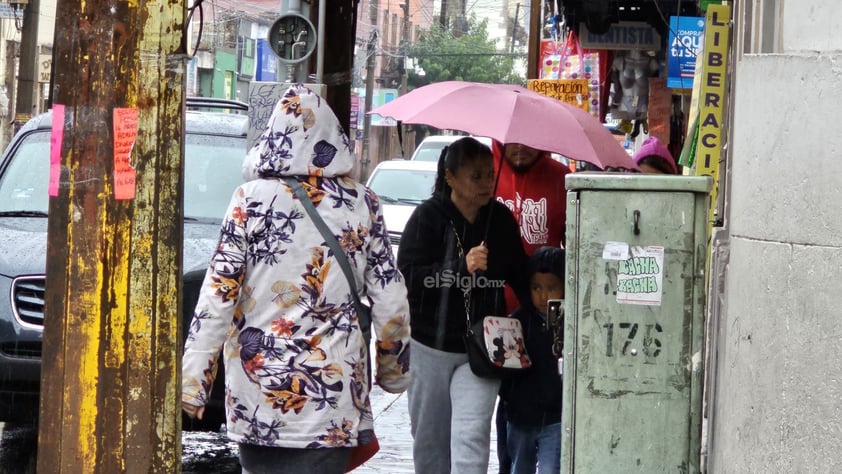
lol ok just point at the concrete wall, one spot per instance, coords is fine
(777, 403)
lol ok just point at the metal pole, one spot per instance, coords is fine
(514, 28)
(534, 48)
(405, 150)
(320, 43)
(369, 91)
(339, 47)
(405, 44)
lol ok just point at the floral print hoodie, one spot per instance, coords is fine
(277, 304)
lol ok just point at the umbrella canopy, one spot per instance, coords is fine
(510, 114)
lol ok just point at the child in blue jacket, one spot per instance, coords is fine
(533, 399)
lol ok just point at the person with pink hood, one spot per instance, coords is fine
(654, 158)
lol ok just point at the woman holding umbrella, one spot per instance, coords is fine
(457, 251)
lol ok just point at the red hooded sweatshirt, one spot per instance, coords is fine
(538, 199)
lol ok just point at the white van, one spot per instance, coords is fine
(430, 147)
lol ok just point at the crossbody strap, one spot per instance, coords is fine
(331, 242)
(466, 292)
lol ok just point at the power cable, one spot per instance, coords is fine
(197, 5)
(669, 27)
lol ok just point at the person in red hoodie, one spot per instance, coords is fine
(531, 184)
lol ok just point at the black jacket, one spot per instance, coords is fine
(429, 260)
(533, 398)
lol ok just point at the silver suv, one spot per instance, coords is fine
(215, 144)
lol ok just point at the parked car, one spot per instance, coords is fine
(215, 145)
(430, 147)
(401, 185)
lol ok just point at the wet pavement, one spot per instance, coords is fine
(212, 452)
(391, 423)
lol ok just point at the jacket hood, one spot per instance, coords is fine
(303, 138)
(653, 147)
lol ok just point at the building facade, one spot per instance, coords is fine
(776, 328)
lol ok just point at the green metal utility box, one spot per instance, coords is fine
(633, 325)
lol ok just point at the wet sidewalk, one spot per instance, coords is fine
(391, 423)
(206, 452)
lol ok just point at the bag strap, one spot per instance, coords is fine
(466, 292)
(334, 246)
(571, 44)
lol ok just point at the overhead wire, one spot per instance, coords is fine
(669, 26)
(197, 5)
(671, 30)
(253, 10)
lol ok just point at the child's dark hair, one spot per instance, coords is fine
(658, 162)
(547, 260)
(455, 155)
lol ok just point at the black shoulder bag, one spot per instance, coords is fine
(495, 344)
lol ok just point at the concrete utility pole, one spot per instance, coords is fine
(405, 44)
(109, 400)
(369, 90)
(24, 103)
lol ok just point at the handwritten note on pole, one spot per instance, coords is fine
(125, 136)
(56, 138)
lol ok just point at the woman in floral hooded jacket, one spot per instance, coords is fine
(278, 305)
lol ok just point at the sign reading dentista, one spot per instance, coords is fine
(624, 35)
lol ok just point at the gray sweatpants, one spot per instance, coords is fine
(450, 410)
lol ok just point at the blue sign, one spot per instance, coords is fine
(266, 62)
(685, 45)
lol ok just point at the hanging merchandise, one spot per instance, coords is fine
(569, 60)
(629, 88)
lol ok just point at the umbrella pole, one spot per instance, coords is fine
(493, 195)
(400, 138)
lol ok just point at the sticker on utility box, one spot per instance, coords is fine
(640, 277)
(615, 251)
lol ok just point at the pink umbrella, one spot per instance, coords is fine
(510, 114)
